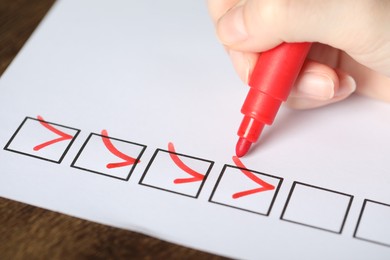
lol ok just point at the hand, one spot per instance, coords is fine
(351, 43)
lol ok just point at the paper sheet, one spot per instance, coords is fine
(125, 113)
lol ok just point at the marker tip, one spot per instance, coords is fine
(242, 147)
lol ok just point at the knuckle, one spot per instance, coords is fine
(274, 10)
(275, 13)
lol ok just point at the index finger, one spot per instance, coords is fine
(217, 8)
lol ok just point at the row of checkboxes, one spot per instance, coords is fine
(236, 187)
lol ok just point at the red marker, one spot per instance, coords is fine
(272, 78)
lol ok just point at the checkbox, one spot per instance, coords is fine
(317, 207)
(177, 173)
(108, 156)
(374, 223)
(40, 139)
(246, 190)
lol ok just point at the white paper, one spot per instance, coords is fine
(152, 73)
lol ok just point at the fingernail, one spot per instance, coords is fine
(346, 86)
(315, 85)
(231, 27)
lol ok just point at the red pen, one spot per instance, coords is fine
(272, 79)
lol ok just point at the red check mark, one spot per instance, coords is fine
(264, 185)
(128, 160)
(196, 176)
(63, 136)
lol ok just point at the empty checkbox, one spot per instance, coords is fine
(374, 223)
(317, 207)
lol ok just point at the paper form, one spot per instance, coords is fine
(125, 113)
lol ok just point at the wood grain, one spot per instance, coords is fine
(28, 232)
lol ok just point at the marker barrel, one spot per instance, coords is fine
(272, 79)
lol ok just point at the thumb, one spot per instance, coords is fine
(258, 25)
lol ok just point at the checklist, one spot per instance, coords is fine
(245, 189)
(374, 223)
(126, 115)
(175, 172)
(108, 156)
(317, 207)
(40, 139)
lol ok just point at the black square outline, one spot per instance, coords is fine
(179, 154)
(316, 187)
(260, 173)
(360, 217)
(39, 157)
(101, 173)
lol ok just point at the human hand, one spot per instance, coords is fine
(351, 49)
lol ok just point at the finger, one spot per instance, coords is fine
(258, 25)
(316, 81)
(217, 8)
(320, 85)
(375, 86)
(243, 63)
(369, 82)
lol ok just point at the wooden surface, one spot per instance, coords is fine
(28, 232)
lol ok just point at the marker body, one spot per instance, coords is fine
(272, 79)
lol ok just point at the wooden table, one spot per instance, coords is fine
(28, 232)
